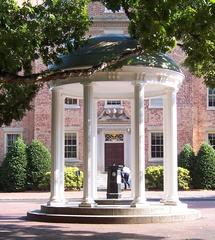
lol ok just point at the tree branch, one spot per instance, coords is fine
(48, 75)
(180, 44)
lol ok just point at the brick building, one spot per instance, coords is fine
(196, 113)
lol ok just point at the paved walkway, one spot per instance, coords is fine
(13, 225)
(186, 195)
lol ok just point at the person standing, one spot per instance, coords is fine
(126, 176)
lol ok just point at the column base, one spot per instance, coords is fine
(139, 203)
(172, 202)
(56, 202)
(88, 203)
(114, 195)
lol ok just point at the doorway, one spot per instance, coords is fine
(114, 150)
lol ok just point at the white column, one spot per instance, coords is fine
(132, 154)
(88, 200)
(94, 157)
(57, 148)
(170, 148)
(166, 125)
(139, 146)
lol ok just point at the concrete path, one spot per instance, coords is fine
(13, 225)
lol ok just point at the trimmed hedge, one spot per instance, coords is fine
(204, 168)
(186, 157)
(13, 170)
(154, 178)
(73, 179)
(39, 162)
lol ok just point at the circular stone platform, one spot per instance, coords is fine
(117, 212)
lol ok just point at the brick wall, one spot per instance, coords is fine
(42, 117)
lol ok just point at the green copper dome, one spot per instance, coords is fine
(105, 47)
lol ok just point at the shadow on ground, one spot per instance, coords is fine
(15, 231)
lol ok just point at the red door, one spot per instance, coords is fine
(114, 153)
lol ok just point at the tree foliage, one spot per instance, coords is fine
(15, 99)
(29, 32)
(55, 27)
(159, 25)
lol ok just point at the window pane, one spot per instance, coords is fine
(70, 145)
(114, 102)
(10, 139)
(106, 10)
(211, 139)
(157, 145)
(71, 101)
(211, 97)
(156, 102)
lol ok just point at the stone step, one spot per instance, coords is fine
(187, 215)
(116, 210)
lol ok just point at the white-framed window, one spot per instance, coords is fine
(113, 103)
(70, 146)
(156, 102)
(106, 10)
(211, 139)
(71, 102)
(156, 146)
(211, 98)
(10, 139)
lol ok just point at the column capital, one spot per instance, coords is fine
(88, 83)
(56, 89)
(139, 83)
(171, 90)
(140, 76)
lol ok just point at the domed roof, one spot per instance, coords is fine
(105, 47)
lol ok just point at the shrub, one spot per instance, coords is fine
(184, 179)
(73, 178)
(186, 157)
(39, 162)
(204, 168)
(45, 182)
(13, 170)
(154, 178)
